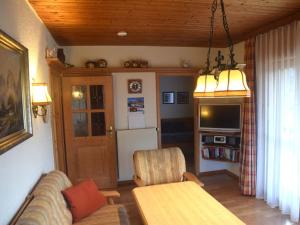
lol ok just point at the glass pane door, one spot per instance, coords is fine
(88, 115)
(96, 97)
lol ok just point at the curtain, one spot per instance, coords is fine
(248, 156)
(278, 118)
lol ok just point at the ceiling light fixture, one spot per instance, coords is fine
(122, 33)
(206, 82)
(225, 80)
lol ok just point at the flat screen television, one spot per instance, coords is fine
(220, 117)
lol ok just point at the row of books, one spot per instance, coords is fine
(221, 153)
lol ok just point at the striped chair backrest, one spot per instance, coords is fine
(159, 166)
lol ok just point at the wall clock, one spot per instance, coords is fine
(135, 86)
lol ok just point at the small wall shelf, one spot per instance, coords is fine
(229, 151)
(219, 160)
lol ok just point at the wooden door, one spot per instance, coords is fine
(89, 129)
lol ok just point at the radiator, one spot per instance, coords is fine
(128, 141)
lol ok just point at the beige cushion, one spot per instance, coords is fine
(42, 211)
(159, 166)
(107, 215)
(48, 206)
(56, 180)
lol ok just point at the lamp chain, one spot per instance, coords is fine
(229, 39)
(214, 7)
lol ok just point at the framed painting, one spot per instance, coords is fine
(183, 97)
(168, 97)
(15, 110)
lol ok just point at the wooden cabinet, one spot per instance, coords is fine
(89, 129)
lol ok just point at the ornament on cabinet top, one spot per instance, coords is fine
(136, 64)
(100, 63)
(90, 64)
(56, 53)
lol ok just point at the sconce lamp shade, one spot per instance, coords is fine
(232, 83)
(40, 94)
(77, 92)
(206, 85)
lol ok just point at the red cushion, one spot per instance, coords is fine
(83, 199)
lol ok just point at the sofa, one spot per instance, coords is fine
(48, 206)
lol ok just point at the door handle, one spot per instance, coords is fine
(110, 131)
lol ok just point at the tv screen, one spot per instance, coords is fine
(220, 117)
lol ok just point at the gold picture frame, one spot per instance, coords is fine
(15, 110)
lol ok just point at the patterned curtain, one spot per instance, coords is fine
(248, 152)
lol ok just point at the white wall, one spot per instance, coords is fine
(210, 165)
(21, 166)
(177, 84)
(156, 56)
(120, 90)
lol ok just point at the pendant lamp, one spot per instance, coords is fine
(206, 82)
(230, 81)
(206, 85)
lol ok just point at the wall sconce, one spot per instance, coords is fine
(40, 97)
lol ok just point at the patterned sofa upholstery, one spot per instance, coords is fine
(158, 166)
(48, 206)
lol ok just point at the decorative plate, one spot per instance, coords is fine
(135, 86)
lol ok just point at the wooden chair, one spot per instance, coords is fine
(160, 166)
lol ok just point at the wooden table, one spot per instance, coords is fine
(183, 203)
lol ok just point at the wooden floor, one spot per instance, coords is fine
(225, 189)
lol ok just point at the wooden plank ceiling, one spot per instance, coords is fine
(155, 22)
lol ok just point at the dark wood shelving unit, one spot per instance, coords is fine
(224, 133)
(219, 160)
(219, 151)
(220, 145)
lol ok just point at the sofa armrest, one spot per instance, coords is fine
(138, 181)
(110, 196)
(191, 177)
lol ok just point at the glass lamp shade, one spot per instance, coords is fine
(232, 83)
(40, 95)
(206, 85)
(77, 92)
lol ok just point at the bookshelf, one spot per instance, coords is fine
(220, 146)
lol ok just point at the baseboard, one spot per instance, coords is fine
(125, 183)
(211, 173)
(231, 174)
(218, 172)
